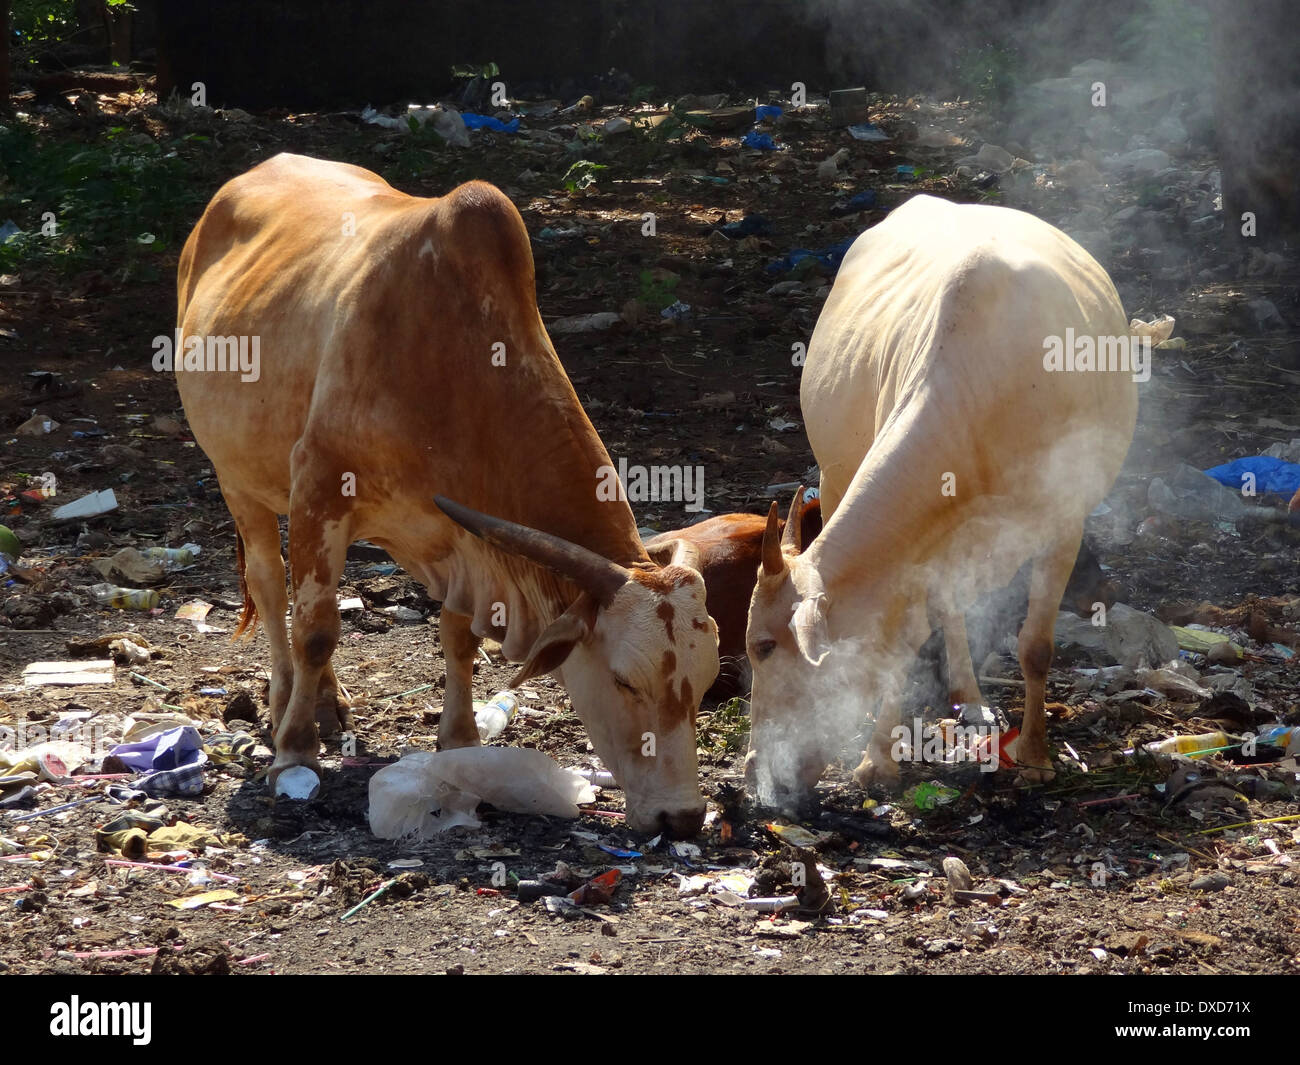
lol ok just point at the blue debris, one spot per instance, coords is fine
(762, 141)
(1271, 475)
(488, 122)
(676, 312)
(865, 131)
(618, 852)
(750, 225)
(763, 111)
(863, 201)
(907, 173)
(829, 257)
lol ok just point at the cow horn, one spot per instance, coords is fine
(793, 536)
(594, 574)
(773, 560)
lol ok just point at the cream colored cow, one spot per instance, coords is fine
(959, 433)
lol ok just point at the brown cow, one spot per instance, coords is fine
(730, 547)
(402, 359)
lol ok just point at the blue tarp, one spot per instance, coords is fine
(1271, 475)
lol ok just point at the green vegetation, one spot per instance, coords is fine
(470, 70)
(727, 728)
(990, 73)
(581, 175)
(122, 190)
(37, 24)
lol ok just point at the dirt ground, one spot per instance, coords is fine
(1121, 868)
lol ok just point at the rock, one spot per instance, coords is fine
(1215, 881)
(584, 323)
(37, 425)
(1126, 943)
(959, 878)
(1224, 653)
(1140, 161)
(1128, 637)
(1191, 494)
(1264, 313)
(990, 157)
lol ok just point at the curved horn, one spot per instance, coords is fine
(773, 560)
(793, 536)
(593, 573)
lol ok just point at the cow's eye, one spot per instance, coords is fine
(625, 685)
(763, 648)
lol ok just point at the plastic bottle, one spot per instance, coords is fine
(1279, 736)
(1200, 744)
(173, 557)
(493, 718)
(124, 598)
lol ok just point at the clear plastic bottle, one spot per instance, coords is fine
(173, 557)
(124, 598)
(1200, 744)
(493, 718)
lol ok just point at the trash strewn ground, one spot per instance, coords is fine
(687, 269)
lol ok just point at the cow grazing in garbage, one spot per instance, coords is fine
(408, 394)
(953, 448)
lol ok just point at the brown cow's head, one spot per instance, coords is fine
(635, 651)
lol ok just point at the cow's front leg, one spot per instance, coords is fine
(317, 550)
(459, 646)
(878, 765)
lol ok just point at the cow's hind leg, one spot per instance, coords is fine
(318, 543)
(1050, 574)
(259, 529)
(459, 646)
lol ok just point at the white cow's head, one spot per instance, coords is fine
(788, 643)
(635, 651)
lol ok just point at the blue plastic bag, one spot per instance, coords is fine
(488, 122)
(1271, 475)
(749, 226)
(761, 141)
(763, 111)
(829, 257)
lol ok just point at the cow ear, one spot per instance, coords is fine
(557, 642)
(811, 631)
(675, 552)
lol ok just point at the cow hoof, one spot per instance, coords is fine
(877, 771)
(1030, 775)
(296, 782)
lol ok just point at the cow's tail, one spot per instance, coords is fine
(248, 618)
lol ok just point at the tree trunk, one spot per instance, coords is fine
(5, 87)
(1257, 115)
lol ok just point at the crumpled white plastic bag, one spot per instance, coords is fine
(429, 792)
